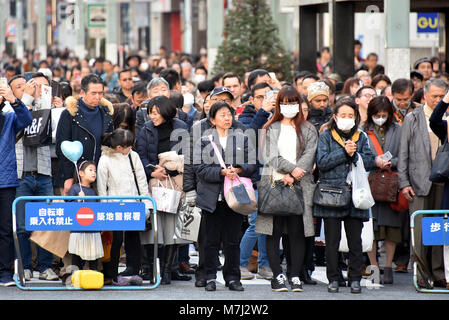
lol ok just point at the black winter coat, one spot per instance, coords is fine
(72, 126)
(208, 169)
(148, 140)
(196, 132)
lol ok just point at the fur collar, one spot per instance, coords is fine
(72, 105)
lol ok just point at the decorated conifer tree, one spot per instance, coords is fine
(251, 41)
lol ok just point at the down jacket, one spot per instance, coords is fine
(148, 141)
(115, 176)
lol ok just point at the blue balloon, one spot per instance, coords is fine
(72, 150)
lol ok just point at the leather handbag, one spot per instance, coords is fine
(327, 195)
(277, 199)
(384, 185)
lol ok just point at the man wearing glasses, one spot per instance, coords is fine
(362, 97)
(126, 84)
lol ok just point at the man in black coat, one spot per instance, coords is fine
(84, 120)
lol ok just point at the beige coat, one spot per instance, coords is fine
(264, 223)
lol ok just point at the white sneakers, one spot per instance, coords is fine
(48, 274)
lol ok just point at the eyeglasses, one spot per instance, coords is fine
(369, 96)
(228, 101)
(127, 79)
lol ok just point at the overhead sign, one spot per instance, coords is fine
(96, 15)
(427, 23)
(84, 216)
(435, 231)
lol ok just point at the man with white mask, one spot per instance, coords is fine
(189, 107)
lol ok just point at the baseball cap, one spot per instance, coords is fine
(219, 90)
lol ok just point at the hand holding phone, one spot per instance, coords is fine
(387, 156)
(3, 84)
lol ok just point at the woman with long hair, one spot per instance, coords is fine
(289, 154)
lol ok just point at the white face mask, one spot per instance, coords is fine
(188, 99)
(379, 121)
(199, 78)
(289, 110)
(345, 124)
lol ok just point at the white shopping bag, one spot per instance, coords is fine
(367, 237)
(188, 223)
(167, 200)
(361, 191)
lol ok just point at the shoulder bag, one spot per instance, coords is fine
(239, 193)
(278, 199)
(383, 182)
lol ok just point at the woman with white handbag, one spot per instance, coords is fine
(339, 147)
(153, 140)
(222, 224)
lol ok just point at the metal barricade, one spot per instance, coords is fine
(18, 265)
(435, 231)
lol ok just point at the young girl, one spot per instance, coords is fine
(119, 169)
(85, 246)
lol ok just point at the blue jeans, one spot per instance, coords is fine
(248, 241)
(32, 185)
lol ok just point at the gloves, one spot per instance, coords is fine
(191, 198)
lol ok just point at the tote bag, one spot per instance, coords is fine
(38, 133)
(239, 193)
(188, 222)
(167, 200)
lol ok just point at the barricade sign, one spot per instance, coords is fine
(435, 231)
(84, 216)
(54, 213)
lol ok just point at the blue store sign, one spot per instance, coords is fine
(85, 216)
(427, 23)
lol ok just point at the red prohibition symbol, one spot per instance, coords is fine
(85, 216)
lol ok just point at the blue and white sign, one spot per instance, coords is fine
(84, 216)
(427, 23)
(435, 231)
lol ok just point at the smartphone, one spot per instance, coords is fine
(269, 94)
(386, 156)
(55, 89)
(3, 83)
(272, 75)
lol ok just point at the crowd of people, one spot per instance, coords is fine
(166, 117)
